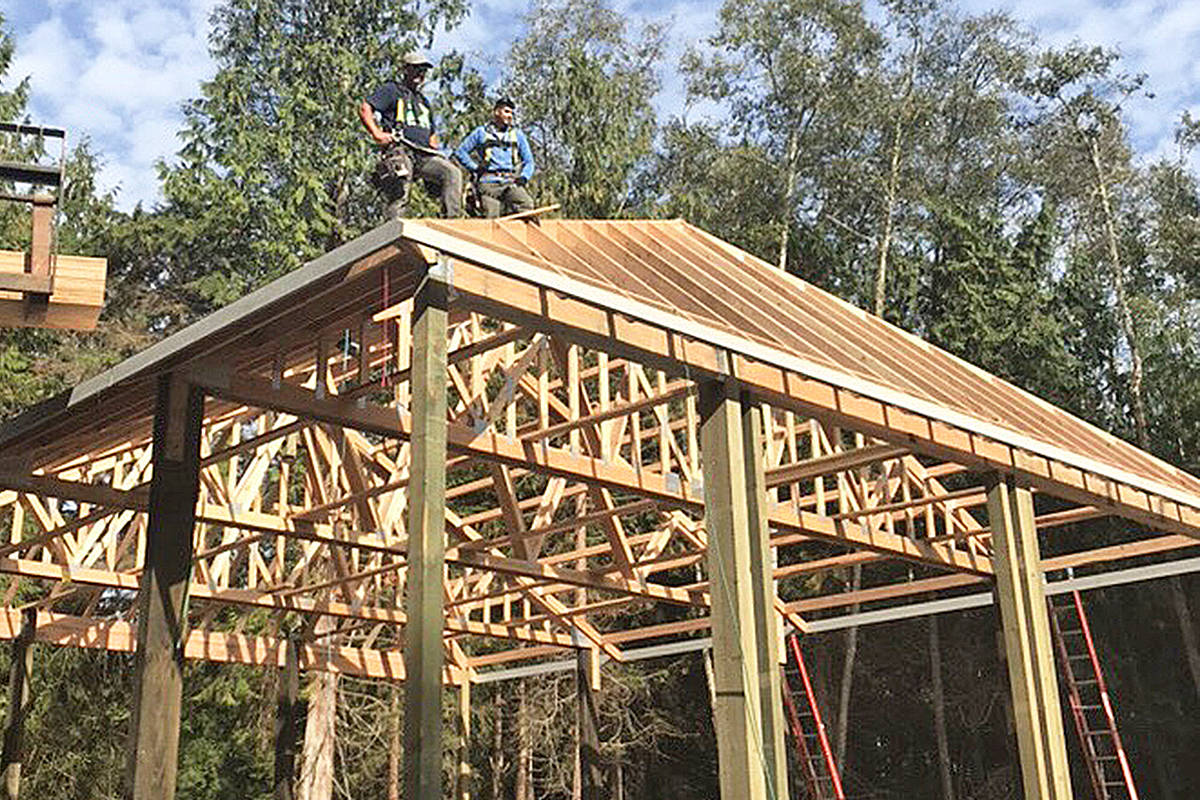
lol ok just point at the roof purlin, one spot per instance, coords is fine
(530, 272)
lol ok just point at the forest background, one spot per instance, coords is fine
(946, 171)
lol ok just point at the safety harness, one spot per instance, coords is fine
(406, 114)
(494, 139)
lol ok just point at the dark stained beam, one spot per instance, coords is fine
(162, 600)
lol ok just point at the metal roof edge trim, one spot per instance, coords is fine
(277, 290)
(529, 271)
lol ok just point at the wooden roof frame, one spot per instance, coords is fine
(885, 476)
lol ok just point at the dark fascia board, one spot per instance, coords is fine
(153, 358)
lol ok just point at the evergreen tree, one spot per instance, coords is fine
(584, 85)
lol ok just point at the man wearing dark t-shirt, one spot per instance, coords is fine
(405, 132)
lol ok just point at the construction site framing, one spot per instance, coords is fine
(466, 446)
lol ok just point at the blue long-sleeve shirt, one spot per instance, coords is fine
(499, 146)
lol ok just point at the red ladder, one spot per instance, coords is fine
(1088, 696)
(808, 731)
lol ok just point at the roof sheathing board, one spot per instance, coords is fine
(857, 351)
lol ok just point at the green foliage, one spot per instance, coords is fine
(991, 302)
(274, 167)
(583, 86)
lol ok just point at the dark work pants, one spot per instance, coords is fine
(503, 197)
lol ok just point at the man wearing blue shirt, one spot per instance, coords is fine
(410, 146)
(498, 155)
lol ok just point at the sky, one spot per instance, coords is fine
(118, 71)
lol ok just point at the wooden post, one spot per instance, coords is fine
(18, 705)
(767, 629)
(287, 721)
(43, 231)
(162, 599)
(737, 709)
(1034, 683)
(423, 600)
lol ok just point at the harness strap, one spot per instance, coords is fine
(491, 142)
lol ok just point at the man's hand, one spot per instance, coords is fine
(382, 137)
(433, 141)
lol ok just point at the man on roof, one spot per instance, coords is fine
(405, 133)
(497, 154)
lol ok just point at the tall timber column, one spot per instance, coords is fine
(767, 632)
(1036, 711)
(423, 600)
(162, 599)
(737, 706)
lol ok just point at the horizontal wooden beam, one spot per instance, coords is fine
(229, 648)
(835, 462)
(491, 446)
(278, 601)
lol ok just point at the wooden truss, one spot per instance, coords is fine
(574, 510)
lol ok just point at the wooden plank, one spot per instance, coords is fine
(424, 598)
(77, 299)
(162, 601)
(737, 704)
(768, 632)
(1036, 712)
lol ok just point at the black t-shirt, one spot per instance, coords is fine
(403, 110)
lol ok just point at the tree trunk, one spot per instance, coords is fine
(316, 757)
(524, 788)
(1187, 630)
(889, 212)
(1123, 311)
(844, 692)
(939, 708)
(19, 678)
(496, 761)
(893, 183)
(789, 197)
(587, 725)
(316, 772)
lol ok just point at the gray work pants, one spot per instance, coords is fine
(503, 196)
(441, 177)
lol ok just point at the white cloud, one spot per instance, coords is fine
(117, 73)
(1157, 38)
